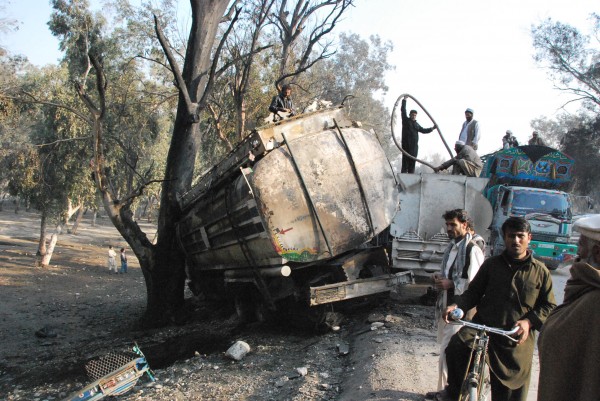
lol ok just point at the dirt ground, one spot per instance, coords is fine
(92, 313)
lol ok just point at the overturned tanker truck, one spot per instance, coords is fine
(292, 215)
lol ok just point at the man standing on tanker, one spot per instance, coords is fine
(510, 290)
(469, 133)
(410, 137)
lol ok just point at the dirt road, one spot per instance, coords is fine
(93, 313)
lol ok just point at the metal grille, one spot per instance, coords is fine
(546, 237)
(410, 236)
(407, 254)
(106, 364)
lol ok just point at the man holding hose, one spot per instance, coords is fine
(410, 137)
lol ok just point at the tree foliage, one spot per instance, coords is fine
(571, 58)
(583, 143)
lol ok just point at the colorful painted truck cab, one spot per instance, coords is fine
(288, 215)
(530, 182)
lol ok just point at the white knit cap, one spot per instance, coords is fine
(460, 143)
(589, 227)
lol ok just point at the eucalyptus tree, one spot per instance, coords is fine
(583, 143)
(572, 58)
(96, 65)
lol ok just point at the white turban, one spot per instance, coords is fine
(589, 227)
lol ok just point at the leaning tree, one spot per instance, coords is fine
(83, 39)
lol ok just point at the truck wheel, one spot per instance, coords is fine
(249, 307)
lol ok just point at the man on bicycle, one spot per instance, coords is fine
(460, 263)
(510, 290)
(569, 344)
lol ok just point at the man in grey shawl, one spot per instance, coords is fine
(460, 263)
(466, 162)
(569, 343)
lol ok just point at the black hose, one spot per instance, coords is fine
(404, 152)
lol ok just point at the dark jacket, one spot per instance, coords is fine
(280, 103)
(410, 132)
(504, 293)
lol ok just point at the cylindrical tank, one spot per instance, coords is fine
(313, 197)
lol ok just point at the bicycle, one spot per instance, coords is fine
(474, 383)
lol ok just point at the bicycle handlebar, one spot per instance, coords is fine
(457, 314)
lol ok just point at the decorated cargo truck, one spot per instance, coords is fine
(531, 182)
(527, 181)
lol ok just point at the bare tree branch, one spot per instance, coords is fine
(192, 108)
(216, 56)
(62, 140)
(35, 100)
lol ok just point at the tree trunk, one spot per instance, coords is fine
(42, 241)
(241, 118)
(49, 250)
(164, 271)
(77, 221)
(42, 246)
(94, 214)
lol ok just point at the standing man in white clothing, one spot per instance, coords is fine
(112, 264)
(469, 133)
(460, 263)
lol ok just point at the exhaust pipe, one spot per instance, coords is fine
(279, 271)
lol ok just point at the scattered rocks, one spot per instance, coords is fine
(376, 325)
(302, 371)
(238, 350)
(281, 381)
(343, 348)
(375, 317)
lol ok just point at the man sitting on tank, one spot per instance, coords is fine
(466, 162)
(282, 103)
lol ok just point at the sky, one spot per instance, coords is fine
(448, 54)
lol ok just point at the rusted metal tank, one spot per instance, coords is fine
(301, 193)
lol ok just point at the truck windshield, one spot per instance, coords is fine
(554, 204)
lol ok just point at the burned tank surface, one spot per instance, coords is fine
(289, 212)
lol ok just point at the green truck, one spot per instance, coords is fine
(533, 182)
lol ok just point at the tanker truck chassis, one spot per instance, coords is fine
(290, 216)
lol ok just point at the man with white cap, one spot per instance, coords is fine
(469, 133)
(466, 162)
(509, 141)
(569, 343)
